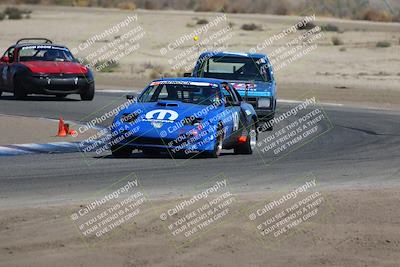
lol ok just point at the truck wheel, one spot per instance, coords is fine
(251, 142)
(121, 151)
(88, 95)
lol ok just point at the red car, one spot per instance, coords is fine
(44, 68)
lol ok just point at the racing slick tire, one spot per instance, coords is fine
(216, 152)
(150, 152)
(19, 92)
(251, 142)
(121, 151)
(1, 92)
(88, 95)
(61, 95)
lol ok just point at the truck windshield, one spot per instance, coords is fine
(234, 68)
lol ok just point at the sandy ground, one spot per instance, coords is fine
(358, 227)
(355, 72)
(22, 130)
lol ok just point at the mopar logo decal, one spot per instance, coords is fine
(162, 115)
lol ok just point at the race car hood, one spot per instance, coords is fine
(55, 67)
(255, 89)
(167, 116)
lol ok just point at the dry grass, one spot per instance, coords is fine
(372, 10)
(377, 15)
(337, 41)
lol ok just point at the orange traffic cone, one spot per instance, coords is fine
(61, 128)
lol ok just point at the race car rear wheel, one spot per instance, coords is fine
(251, 142)
(88, 95)
(121, 151)
(19, 92)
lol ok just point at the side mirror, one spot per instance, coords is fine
(5, 59)
(131, 97)
(187, 74)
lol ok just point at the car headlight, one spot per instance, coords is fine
(264, 102)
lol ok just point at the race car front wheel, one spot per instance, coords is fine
(88, 95)
(251, 142)
(218, 143)
(61, 95)
(19, 92)
(121, 151)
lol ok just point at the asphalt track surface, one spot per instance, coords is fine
(361, 147)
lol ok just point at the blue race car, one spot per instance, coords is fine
(250, 74)
(186, 116)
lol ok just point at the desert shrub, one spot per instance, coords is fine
(397, 17)
(2, 15)
(83, 3)
(307, 26)
(336, 41)
(376, 15)
(251, 27)
(281, 7)
(16, 13)
(155, 74)
(63, 2)
(383, 44)
(156, 70)
(202, 21)
(127, 5)
(330, 28)
(153, 5)
(212, 5)
(106, 66)
(343, 49)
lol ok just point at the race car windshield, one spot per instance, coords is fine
(234, 68)
(43, 53)
(201, 95)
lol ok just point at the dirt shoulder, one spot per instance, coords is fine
(20, 130)
(357, 227)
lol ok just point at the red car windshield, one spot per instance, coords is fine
(45, 53)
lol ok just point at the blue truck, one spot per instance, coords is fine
(250, 74)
